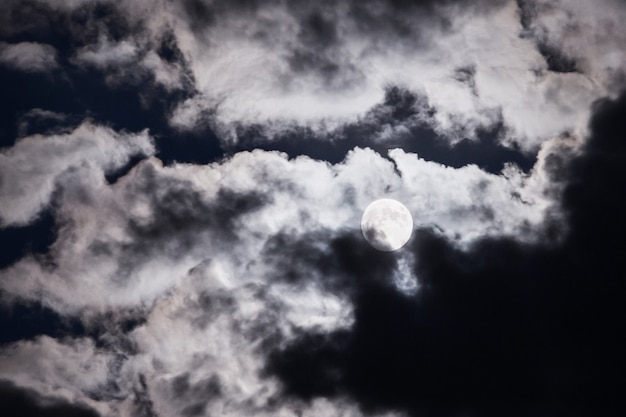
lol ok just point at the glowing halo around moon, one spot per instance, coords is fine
(387, 224)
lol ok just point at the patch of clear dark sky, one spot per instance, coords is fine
(27, 321)
(15, 242)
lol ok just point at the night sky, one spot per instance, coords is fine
(182, 184)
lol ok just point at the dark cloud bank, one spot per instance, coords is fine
(505, 328)
(20, 402)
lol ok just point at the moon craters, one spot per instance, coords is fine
(387, 224)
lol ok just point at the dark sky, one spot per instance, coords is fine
(182, 184)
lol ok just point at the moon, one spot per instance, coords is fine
(387, 224)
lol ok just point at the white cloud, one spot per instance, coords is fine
(28, 56)
(70, 369)
(105, 53)
(166, 74)
(247, 71)
(175, 242)
(591, 33)
(31, 168)
(127, 243)
(244, 73)
(128, 60)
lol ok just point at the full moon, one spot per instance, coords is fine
(387, 224)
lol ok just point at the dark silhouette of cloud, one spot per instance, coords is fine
(501, 328)
(21, 402)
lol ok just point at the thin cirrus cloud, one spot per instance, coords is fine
(238, 283)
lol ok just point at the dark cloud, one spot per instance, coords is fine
(143, 405)
(503, 328)
(407, 19)
(317, 30)
(296, 257)
(199, 13)
(203, 14)
(196, 395)
(557, 61)
(393, 20)
(555, 58)
(181, 210)
(180, 218)
(317, 51)
(37, 21)
(333, 72)
(317, 54)
(21, 402)
(466, 75)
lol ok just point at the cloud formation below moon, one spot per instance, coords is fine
(182, 184)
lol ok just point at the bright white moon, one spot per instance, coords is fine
(387, 224)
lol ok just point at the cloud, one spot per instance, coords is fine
(318, 80)
(30, 169)
(161, 212)
(242, 285)
(28, 56)
(18, 402)
(501, 327)
(63, 371)
(106, 54)
(37, 120)
(253, 63)
(587, 39)
(219, 264)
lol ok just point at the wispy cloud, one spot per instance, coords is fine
(28, 56)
